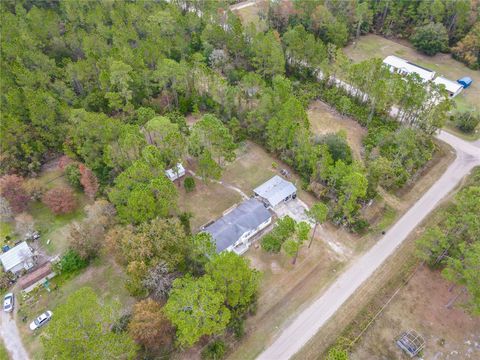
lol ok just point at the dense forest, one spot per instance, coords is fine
(106, 87)
(432, 25)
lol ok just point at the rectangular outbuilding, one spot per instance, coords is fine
(453, 88)
(18, 258)
(404, 67)
(176, 172)
(234, 230)
(275, 190)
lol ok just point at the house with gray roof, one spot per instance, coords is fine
(275, 190)
(234, 230)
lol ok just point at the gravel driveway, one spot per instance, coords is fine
(11, 337)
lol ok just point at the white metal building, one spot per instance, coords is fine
(405, 67)
(18, 258)
(453, 88)
(176, 172)
(275, 190)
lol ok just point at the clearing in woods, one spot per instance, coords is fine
(370, 46)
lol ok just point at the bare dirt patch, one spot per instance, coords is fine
(324, 119)
(449, 333)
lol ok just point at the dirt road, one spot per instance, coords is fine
(297, 333)
(11, 337)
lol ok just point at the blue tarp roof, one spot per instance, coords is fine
(465, 81)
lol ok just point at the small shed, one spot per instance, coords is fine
(465, 81)
(176, 172)
(17, 258)
(275, 190)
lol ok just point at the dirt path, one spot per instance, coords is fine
(11, 337)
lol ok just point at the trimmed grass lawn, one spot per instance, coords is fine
(370, 46)
(104, 276)
(3, 352)
(55, 227)
(207, 202)
(6, 229)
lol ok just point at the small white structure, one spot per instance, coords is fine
(453, 88)
(404, 67)
(234, 230)
(275, 190)
(18, 258)
(176, 172)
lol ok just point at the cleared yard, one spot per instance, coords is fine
(104, 276)
(324, 120)
(207, 202)
(448, 333)
(370, 46)
(284, 291)
(254, 165)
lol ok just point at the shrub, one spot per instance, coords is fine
(89, 181)
(189, 184)
(360, 226)
(60, 200)
(214, 351)
(71, 262)
(72, 174)
(271, 243)
(430, 39)
(467, 121)
(237, 325)
(338, 147)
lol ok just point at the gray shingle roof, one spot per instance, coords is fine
(275, 190)
(229, 228)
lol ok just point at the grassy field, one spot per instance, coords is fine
(3, 352)
(207, 202)
(104, 276)
(370, 46)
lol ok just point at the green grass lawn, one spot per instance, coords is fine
(6, 229)
(370, 46)
(53, 227)
(3, 352)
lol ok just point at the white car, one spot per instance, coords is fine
(41, 320)
(8, 302)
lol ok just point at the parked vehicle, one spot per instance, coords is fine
(8, 302)
(41, 320)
